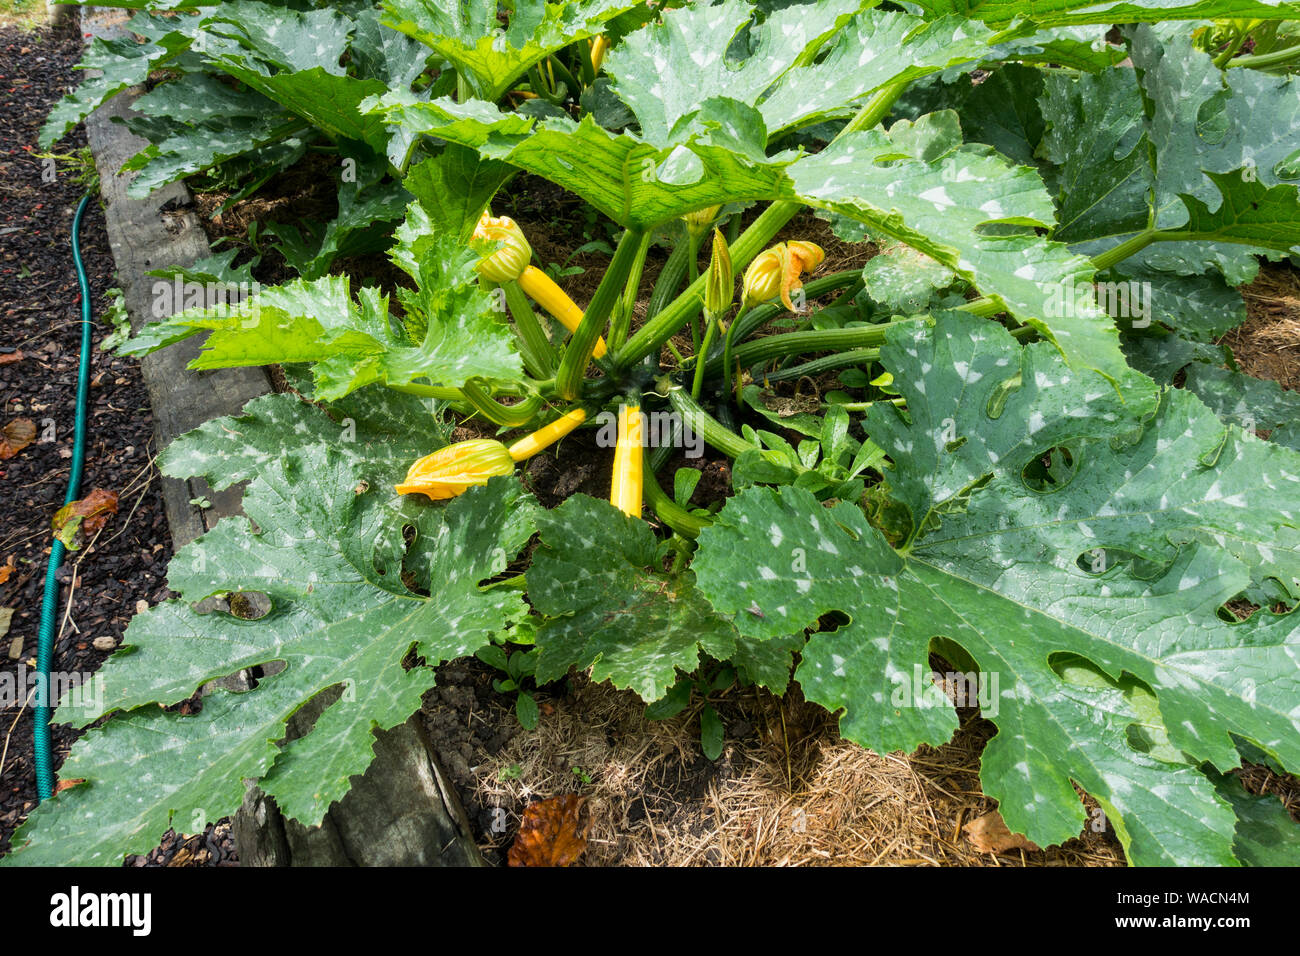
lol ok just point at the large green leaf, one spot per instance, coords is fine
(195, 122)
(610, 609)
(120, 64)
(997, 583)
(876, 48)
(919, 184)
(664, 72)
(1252, 403)
(326, 540)
(626, 178)
(455, 186)
(152, 770)
(354, 342)
(1097, 138)
(1053, 12)
(1178, 144)
(488, 56)
(1266, 833)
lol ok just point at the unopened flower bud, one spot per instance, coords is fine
(700, 220)
(720, 286)
(511, 258)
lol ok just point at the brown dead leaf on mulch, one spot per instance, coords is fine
(8, 358)
(989, 834)
(16, 436)
(84, 517)
(551, 833)
(7, 569)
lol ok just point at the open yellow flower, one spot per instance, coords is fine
(452, 470)
(776, 271)
(457, 468)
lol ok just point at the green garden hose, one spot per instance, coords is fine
(50, 604)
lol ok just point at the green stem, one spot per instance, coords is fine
(574, 87)
(1263, 60)
(1128, 247)
(810, 340)
(983, 306)
(510, 415)
(662, 327)
(670, 278)
(693, 264)
(1233, 48)
(534, 345)
(827, 363)
(706, 426)
(863, 406)
(726, 356)
(668, 510)
(573, 366)
(622, 320)
(429, 391)
(709, 332)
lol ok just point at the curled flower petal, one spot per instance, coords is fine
(452, 470)
(512, 257)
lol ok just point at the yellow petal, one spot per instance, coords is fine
(449, 471)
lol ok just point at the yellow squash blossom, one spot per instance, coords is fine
(512, 261)
(457, 468)
(776, 271)
(452, 470)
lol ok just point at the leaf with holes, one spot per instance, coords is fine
(1073, 589)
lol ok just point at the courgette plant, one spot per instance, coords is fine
(1004, 475)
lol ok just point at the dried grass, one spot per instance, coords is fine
(786, 791)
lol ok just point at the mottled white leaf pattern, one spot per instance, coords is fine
(1023, 578)
(610, 611)
(919, 185)
(325, 540)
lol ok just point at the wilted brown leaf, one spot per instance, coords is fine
(8, 358)
(86, 515)
(989, 834)
(7, 569)
(16, 436)
(551, 833)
